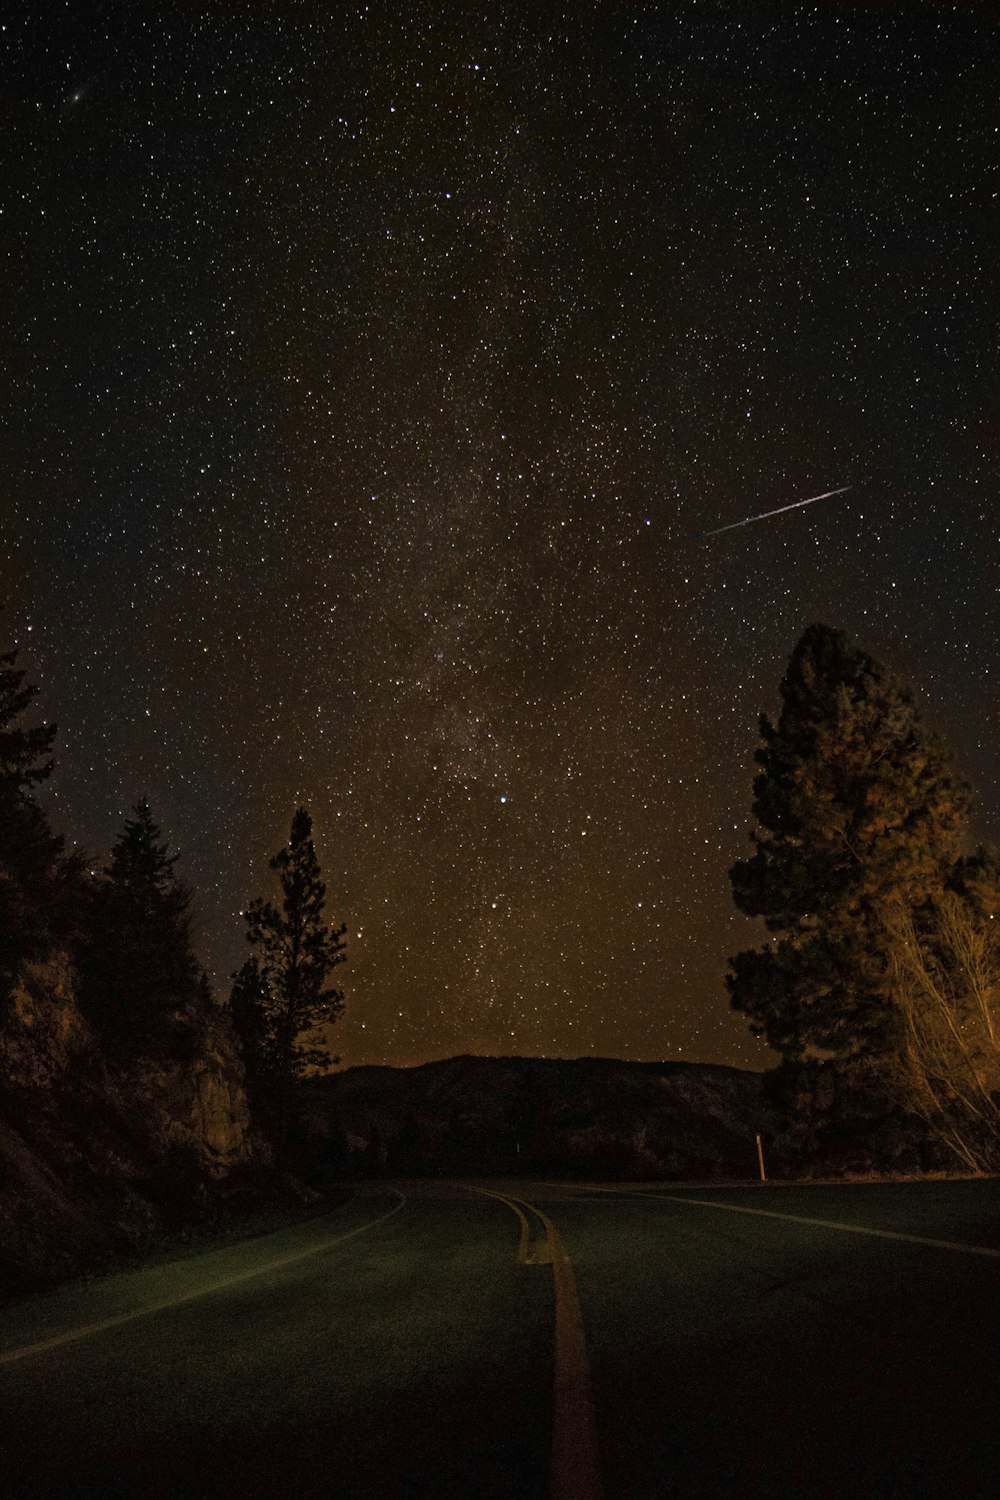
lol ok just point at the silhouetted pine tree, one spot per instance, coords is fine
(204, 998)
(139, 969)
(296, 952)
(32, 866)
(252, 1010)
(858, 806)
(20, 749)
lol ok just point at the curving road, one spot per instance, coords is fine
(528, 1339)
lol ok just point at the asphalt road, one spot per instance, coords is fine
(533, 1340)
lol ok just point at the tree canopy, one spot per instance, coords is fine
(32, 867)
(283, 1001)
(140, 969)
(858, 807)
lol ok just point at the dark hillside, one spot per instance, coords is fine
(485, 1115)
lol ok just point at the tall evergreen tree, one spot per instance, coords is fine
(287, 1002)
(31, 856)
(252, 1009)
(858, 807)
(23, 752)
(140, 969)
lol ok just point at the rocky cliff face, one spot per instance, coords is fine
(94, 1159)
(198, 1103)
(584, 1117)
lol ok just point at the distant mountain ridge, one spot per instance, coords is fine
(583, 1117)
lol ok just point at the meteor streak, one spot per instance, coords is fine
(747, 520)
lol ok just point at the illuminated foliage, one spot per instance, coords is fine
(858, 807)
(945, 969)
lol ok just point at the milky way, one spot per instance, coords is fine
(367, 380)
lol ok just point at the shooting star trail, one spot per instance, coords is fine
(748, 520)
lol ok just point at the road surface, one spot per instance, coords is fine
(526, 1339)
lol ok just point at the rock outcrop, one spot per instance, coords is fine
(198, 1103)
(97, 1159)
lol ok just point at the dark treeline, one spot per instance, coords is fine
(121, 930)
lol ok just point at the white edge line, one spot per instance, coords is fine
(879, 1234)
(767, 1213)
(9, 1356)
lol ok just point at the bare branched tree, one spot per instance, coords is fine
(945, 973)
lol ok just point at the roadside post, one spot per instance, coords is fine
(760, 1159)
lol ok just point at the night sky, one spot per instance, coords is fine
(369, 371)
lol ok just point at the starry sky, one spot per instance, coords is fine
(369, 371)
